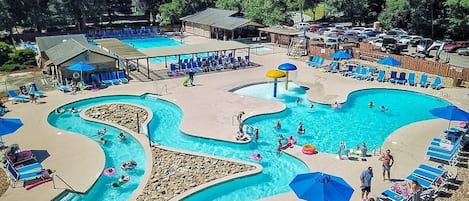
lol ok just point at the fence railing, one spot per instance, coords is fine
(368, 52)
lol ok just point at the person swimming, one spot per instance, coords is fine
(122, 136)
(278, 125)
(371, 104)
(382, 108)
(301, 130)
(102, 132)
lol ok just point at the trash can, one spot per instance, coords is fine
(457, 82)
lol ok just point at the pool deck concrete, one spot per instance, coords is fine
(209, 111)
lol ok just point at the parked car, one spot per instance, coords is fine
(463, 51)
(302, 25)
(331, 32)
(372, 33)
(352, 36)
(377, 42)
(399, 30)
(314, 27)
(456, 46)
(322, 30)
(391, 34)
(332, 42)
(359, 30)
(391, 45)
(414, 41)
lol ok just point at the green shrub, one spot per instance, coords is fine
(24, 56)
(13, 67)
(5, 49)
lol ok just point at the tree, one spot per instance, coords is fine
(172, 11)
(230, 5)
(458, 18)
(395, 14)
(5, 50)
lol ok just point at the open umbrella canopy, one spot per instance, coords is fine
(318, 186)
(341, 55)
(390, 61)
(275, 74)
(287, 67)
(9, 125)
(81, 66)
(451, 113)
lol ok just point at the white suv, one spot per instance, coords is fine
(302, 25)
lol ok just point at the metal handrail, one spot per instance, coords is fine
(70, 187)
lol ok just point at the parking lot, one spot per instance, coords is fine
(454, 58)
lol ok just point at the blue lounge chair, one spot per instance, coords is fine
(2, 112)
(122, 77)
(96, 80)
(402, 78)
(393, 78)
(313, 61)
(412, 79)
(437, 83)
(106, 79)
(362, 73)
(348, 71)
(15, 97)
(34, 167)
(357, 71)
(37, 92)
(381, 76)
(423, 182)
(17, 176)
(320, 62)
(113, 77)
(423, 80)
(62, 87)
(449, 159)
(431, 169)
(393, 195)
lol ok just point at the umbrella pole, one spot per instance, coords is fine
(286, 80)
(275, 87)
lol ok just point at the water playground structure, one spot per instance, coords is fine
(275, 74)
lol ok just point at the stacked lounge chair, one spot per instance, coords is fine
(437, 83)
(16, 97)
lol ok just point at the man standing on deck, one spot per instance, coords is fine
(365, 179)
(191, 77)
(388, 161)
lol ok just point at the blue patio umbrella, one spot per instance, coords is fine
(390, 61)
(9, 125)
(451, 113)
(287, 67)
(81, 66)
(318, 186)
(341, 55)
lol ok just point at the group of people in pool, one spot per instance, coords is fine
(128, 165)
(102, 132)
(300, 130)
(382, 108)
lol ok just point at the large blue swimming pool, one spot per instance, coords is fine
(354, 123)
(159, 42)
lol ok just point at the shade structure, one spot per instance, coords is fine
(451, 113)
(287, 67)
(341, 55)
(9, 125)
(390, 61)
(275, 74)
(81, 67)
(318, 186)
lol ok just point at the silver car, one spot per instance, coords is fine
(332, 42)
(463, 51)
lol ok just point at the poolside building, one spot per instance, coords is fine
(59, 52)
(219, 24)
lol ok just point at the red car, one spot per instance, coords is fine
(314, 27)
(455, 46)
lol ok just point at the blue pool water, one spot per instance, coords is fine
(324, 128)
(354, 123)
(260, 49)
(157, 42)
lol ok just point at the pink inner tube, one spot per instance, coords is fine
(110, 171)
(307, 152)
(254, 157)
